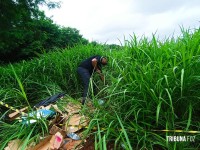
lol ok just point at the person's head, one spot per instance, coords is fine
(104, 60)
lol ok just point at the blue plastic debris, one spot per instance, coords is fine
(39, 114)
(100, 102)
(73, 136)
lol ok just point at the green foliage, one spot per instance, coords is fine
(154, 86)
(25, 31)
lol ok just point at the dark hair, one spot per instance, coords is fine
(103, 57)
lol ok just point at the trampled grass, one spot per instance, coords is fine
(150, 85)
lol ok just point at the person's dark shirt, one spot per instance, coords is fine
(87, 64)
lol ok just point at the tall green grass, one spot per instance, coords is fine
(150, 84)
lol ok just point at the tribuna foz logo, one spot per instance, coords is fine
(180, 138)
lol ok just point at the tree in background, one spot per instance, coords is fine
(25, 30)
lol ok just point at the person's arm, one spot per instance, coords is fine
(101, 75)
(94, 64)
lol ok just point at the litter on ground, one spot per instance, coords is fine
(64, 129)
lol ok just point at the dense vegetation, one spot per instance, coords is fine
(25, 31)
(150, 85)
